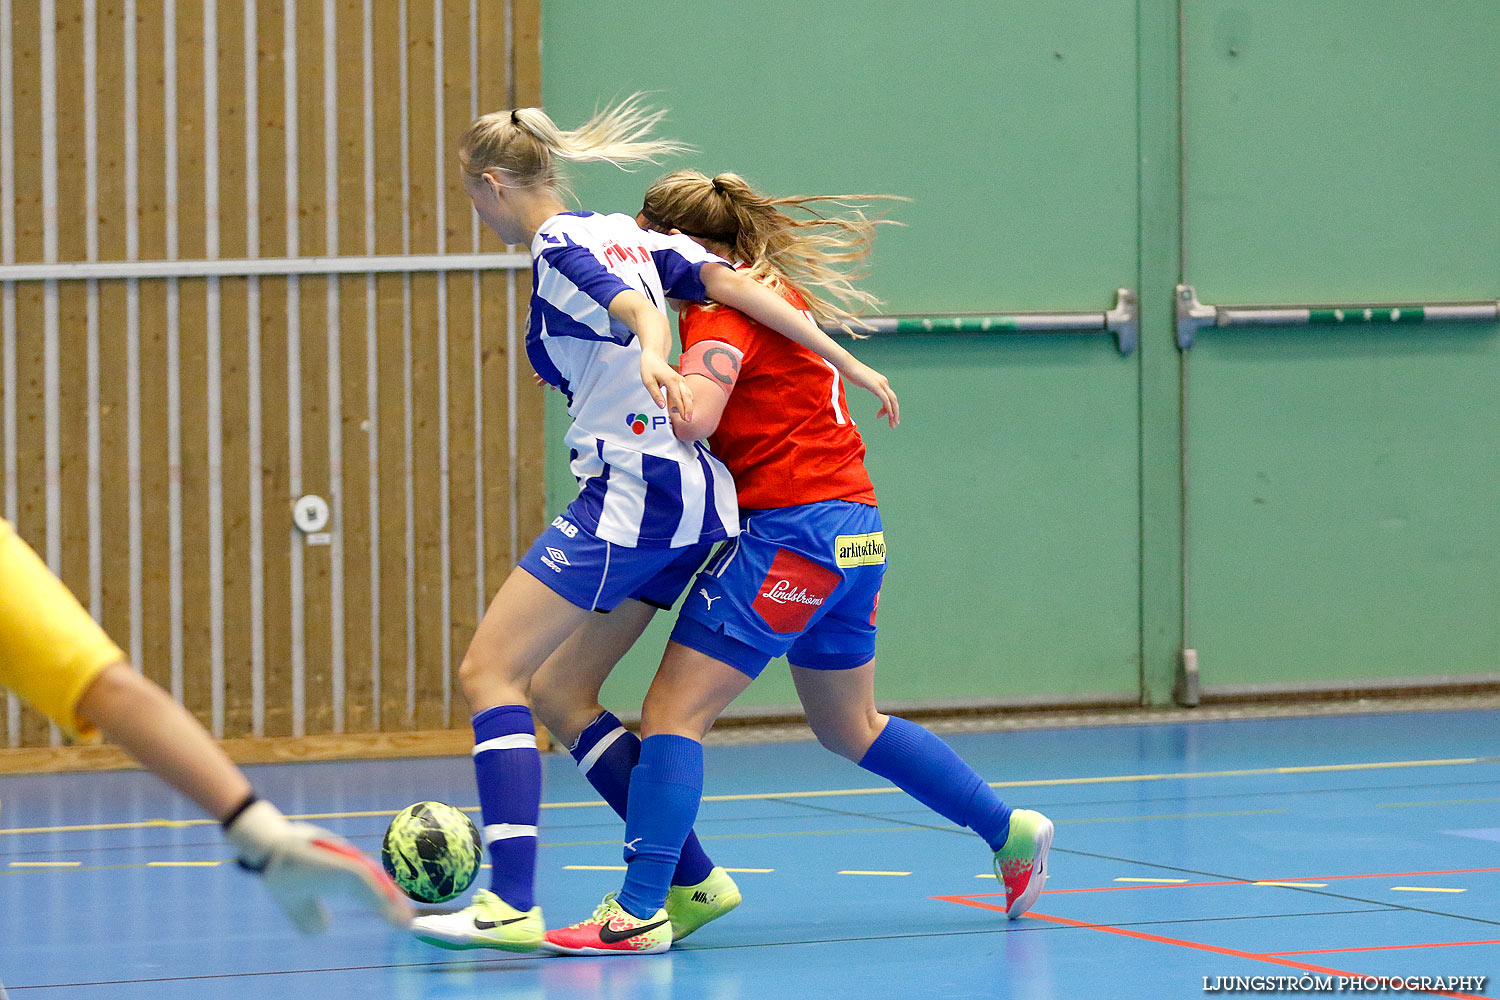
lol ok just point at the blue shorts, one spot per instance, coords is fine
(802, 582)
(597, 575)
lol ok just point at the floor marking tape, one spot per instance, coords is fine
(856, 872)
(1385, 947)
(824, 793)
(1184, 943)
(1422, 888)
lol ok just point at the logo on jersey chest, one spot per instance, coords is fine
(859, 550)
(793, 591)
(618, 253)
(639, 423)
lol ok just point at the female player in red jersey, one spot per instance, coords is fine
(803, 577)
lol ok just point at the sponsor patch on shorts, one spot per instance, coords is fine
(859, 550)
(793, 591)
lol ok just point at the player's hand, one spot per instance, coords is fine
(541, 383)
(865, 377)
(302, 864)
(667, 386)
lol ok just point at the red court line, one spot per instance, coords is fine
(1197, 945)
(1299, 878)
(1384, 947)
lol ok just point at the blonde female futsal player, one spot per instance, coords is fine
(649, 504)
(61, 663)
(803, 577)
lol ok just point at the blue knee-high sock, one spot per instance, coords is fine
(665, 789)
(606, 753)
(928, 770)
(509, 772)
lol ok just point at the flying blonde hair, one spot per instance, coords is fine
(523, 145)
(818, 254)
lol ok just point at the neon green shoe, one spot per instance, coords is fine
(488, 922)
(1021, 865)
(692, 906)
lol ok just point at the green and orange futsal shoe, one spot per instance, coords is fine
(692, 906)
(487, 922)
(1021, 865)
(613, 930)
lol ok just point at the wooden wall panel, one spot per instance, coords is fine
(356, 428)
(155, 597)
(457, 236)
(501, 367)
(234, 362)
(531, 501)
(397, 392)
(192, 364)
(312, 213)
(31, 511)
(276, 533)
(114, 473)
(73, 297)
(428, 472)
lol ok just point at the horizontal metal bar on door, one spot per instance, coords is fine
(1193, 315)
(266, 266)
(1123, 321)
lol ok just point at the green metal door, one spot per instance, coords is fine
(1343, 492)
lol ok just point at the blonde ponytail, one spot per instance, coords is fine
(820, 255)
(524, 144)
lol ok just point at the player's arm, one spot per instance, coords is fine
(711, 368)
(724, 284)
(299, 863)
(666, 385)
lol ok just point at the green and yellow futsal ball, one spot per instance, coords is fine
(432, 851)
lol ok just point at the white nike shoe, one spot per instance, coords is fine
(487, 922)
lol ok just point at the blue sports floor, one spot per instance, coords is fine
(1349, 845)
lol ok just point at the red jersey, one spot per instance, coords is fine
(786, 433)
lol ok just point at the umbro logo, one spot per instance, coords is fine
(556, 559)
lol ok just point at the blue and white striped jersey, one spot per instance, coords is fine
(639, 485)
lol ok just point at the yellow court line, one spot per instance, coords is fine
(823, 793)
(1422, 888)
(1296, 885)
(183, 864)
(1163, 881)
(45, 864)
(855, 872)
(1435, 802)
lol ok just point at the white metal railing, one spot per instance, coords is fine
(1123, 320)
(1193, 315)
(265, 266)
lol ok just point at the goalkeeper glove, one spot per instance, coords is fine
(302, 863)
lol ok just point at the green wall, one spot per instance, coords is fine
(1034, 496)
